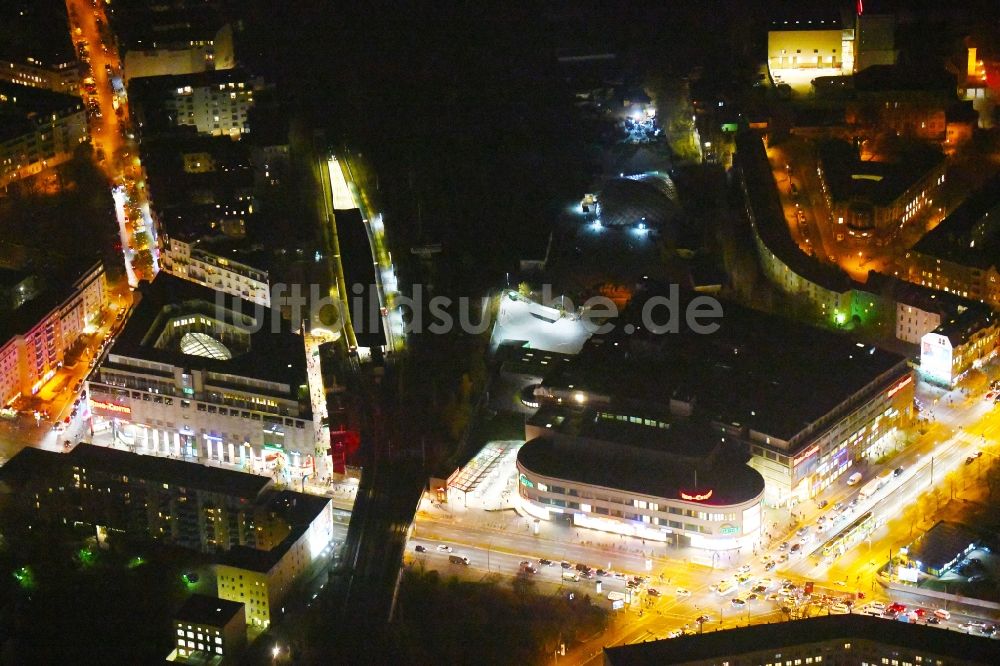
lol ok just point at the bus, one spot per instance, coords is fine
(870, 488)
(849, 536)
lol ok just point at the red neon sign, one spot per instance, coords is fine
(111, 407)
(696, 498)
(900, 386)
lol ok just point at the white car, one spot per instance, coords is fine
(743, 569)
(681, 592)
(444, 548)
(840, 609)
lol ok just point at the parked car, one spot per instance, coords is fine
(419, 548)
(546, 563)
(444, 548)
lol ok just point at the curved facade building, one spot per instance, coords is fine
(715, 507)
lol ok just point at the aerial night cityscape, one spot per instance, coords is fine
(587, 333)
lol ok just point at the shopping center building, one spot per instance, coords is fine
(655, 478)
(805, 404)
(205, 377)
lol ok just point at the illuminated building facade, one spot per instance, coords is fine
(855, 639)
(810, 44)
(37, 333)
(802, 404)
(207, 377)
(874, 199)
(961, 343)
(959, 255)
(215, 103)
(189, 261)
(207, 628)
(62, 77)
(663, 480)
(38, 129)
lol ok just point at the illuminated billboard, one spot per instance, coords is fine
(936, 358)
(110, 409)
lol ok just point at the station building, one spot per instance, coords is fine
(803, 404)
(207, 377)
(655, 478)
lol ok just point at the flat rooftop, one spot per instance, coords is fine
(970, 235)
(274, 354)
(56, 285)
(942, 543)
(141, 25)
(880, 183)
(23, 108)
(770, 374)
(33, 463)
(960, 328)
(35, 32)
(729, 483)
(763, 638)
(208, 611)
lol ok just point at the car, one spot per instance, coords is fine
(743, 569)
(582, 568)
(653, 592)
(753, 596)
(853, 503)
(602, 573)
(587, 574)
(802, 531)
(933, 620)
(897, 471)
(743, 578)
(631, 584)
(676, 633)
(822, 504)
(782, 558)
(877, 605)
(702, 619)
(681, 592)
(527, 567)
(970, 460)
(783, 546)
(566, 565)
(839, 506)
(758, 589)
(420, 549)
(896, 608)
(770, 565)
(736, 601)
(545, 563)
(772, 596)
(840, 608)
(919, 612)
(796, 547)
(989, 630)
(854, 479)
(444, 548)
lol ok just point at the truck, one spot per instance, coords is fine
(870, 488)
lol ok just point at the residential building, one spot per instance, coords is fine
(918, 310)
(36, 50)
(208, 630)
(207, 377)
(38, 129)
(43, 316)
(875, 199)
(214, 102)
(184, 37)
(959, 255)
(189, 261)
(855, 640)
(961, 343)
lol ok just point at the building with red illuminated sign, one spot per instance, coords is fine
(652, 477)
(803, 404)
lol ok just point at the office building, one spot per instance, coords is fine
(215, 103)
(207, 377)
(653, 476)
(42, 316)
(38, 129)
(804, 404)
(875, 199)
(854, 640)
(208, 630)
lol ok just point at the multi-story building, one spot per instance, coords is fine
(262, 539)
(959, 344)
(655, 477)
(38, 129)
(189, 261)
(262, 579)
(833, 640)
(876, 199)
(959, 255)
(209, 630)
(804, 403)
(36, 50)
(44, 316)
(820, 43)
(183, 38)
(207, 377)
(918, 310)
(215, 102)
